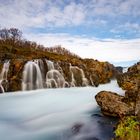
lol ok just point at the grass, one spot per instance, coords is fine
(128, 129)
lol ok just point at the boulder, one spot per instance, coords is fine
(113, 104)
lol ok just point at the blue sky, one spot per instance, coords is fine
(107, 30)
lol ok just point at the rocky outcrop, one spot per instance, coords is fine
(113, 104)
(130, 81)
(83, 72)
(19, 51)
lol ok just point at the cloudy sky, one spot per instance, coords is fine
(107, 30)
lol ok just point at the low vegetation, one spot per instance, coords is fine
(128, 129)
(13, 46)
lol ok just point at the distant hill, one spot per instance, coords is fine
(125, 63)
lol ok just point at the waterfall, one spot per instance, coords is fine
(78, 76)
(41, 66)
(84, 79)
(54, 79)
(32, 77)
(50, 65)
(72, 76)
(36, 76)
(56, 76)
(91, 80)
(3, 74)
(125, 69)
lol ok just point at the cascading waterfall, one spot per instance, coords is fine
(72, 76)
(36, 77)
(84, 79)
(50, 65)
(53, 77)
(32, 77)
(125, 69)
(79, 73)
(56, 77)
(40, 63)
(3, 74)
(91, 80)
(57, 66)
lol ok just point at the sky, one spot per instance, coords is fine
(107, 30)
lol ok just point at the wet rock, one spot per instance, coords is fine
(91, 138)
(97, 115)
(76, 128)
(113, 104)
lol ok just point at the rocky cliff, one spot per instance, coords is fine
(24, 65)
(113, 104)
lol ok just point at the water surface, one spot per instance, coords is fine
(55, 114)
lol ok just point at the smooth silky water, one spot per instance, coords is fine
(55, 114)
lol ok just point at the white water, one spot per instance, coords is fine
(54, 79)
(56, 76)
(3, 74)
(84, 79)
(36, 76)
(50, 65)
(32, 77)
(49, 114)
(74, 70)
(125, 69)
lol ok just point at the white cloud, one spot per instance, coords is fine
(128, 27)
(113, 50)
(42, 13)
(72, 14)
(27, 13)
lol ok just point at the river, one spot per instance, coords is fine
(55, 114)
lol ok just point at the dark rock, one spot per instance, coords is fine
(76, 128)
(96, 115)
(119, 69)
(92, 138)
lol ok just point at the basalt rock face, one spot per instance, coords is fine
(113, 104)
(44, 73)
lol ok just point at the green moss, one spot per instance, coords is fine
(128, 129)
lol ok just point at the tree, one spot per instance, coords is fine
(4, 34)
(15, 34)
(12, 33)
